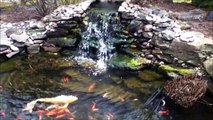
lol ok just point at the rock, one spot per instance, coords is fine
(121, 9)
(51, 48)
(190, 52)
(148, 34)
(36, 24)
(196, 14)
(3, 47)
(33, 49)
(20, 38)
(14, 48)
(149, 75)
(37, 34)
(11, 54)
(149, 56)
(135, 28)
(168, 35)
(127, 16)
(208, 65)
(68, 41)
(181, 71)
(164, 25)
(127, 62)
(57, 32)
(148, 28)
(187, 37)
(11, 31)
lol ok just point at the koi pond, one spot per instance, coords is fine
(103, 92)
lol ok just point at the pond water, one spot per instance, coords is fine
(114, 93)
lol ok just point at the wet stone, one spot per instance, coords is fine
(33, 49)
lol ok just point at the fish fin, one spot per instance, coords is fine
(29, 107)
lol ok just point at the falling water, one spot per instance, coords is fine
(97, 44)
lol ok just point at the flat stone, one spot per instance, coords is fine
(20, 38)
(33, 49)
(187, 37)
(11, 54)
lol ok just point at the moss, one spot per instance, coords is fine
(124, 61)
(8, 65)
(181, 71)
(150, 75)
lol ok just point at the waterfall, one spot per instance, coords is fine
(97, 44)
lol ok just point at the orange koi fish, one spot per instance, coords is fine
(91, 87)
(18, 118)
(110, 116)
(94, 107)
(59, 116)
(66, 79)
(2, 114)
(121, 99)
(163, 112)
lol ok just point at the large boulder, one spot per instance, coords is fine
(191, 50)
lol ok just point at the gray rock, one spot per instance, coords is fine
(20, 38)
(208, 65)
(147, 34)
(187, 37)
(63, 41)
(3, 47)
(33, 49)
(16, 31)
(11, 54)
(148, 28)
(168, 35)
(134, 27)
(196, 14)
(164, 25)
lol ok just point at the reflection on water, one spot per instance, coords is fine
(118, 95)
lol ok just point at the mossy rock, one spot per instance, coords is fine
(127, 62)
(181, 71)
(150, 75)
(68, 41)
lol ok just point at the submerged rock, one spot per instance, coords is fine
(127, 62)
(68, 41)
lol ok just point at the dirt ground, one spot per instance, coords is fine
(205, 27)
(20, 13)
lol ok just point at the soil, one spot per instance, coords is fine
(205, 27)
(21, 13)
